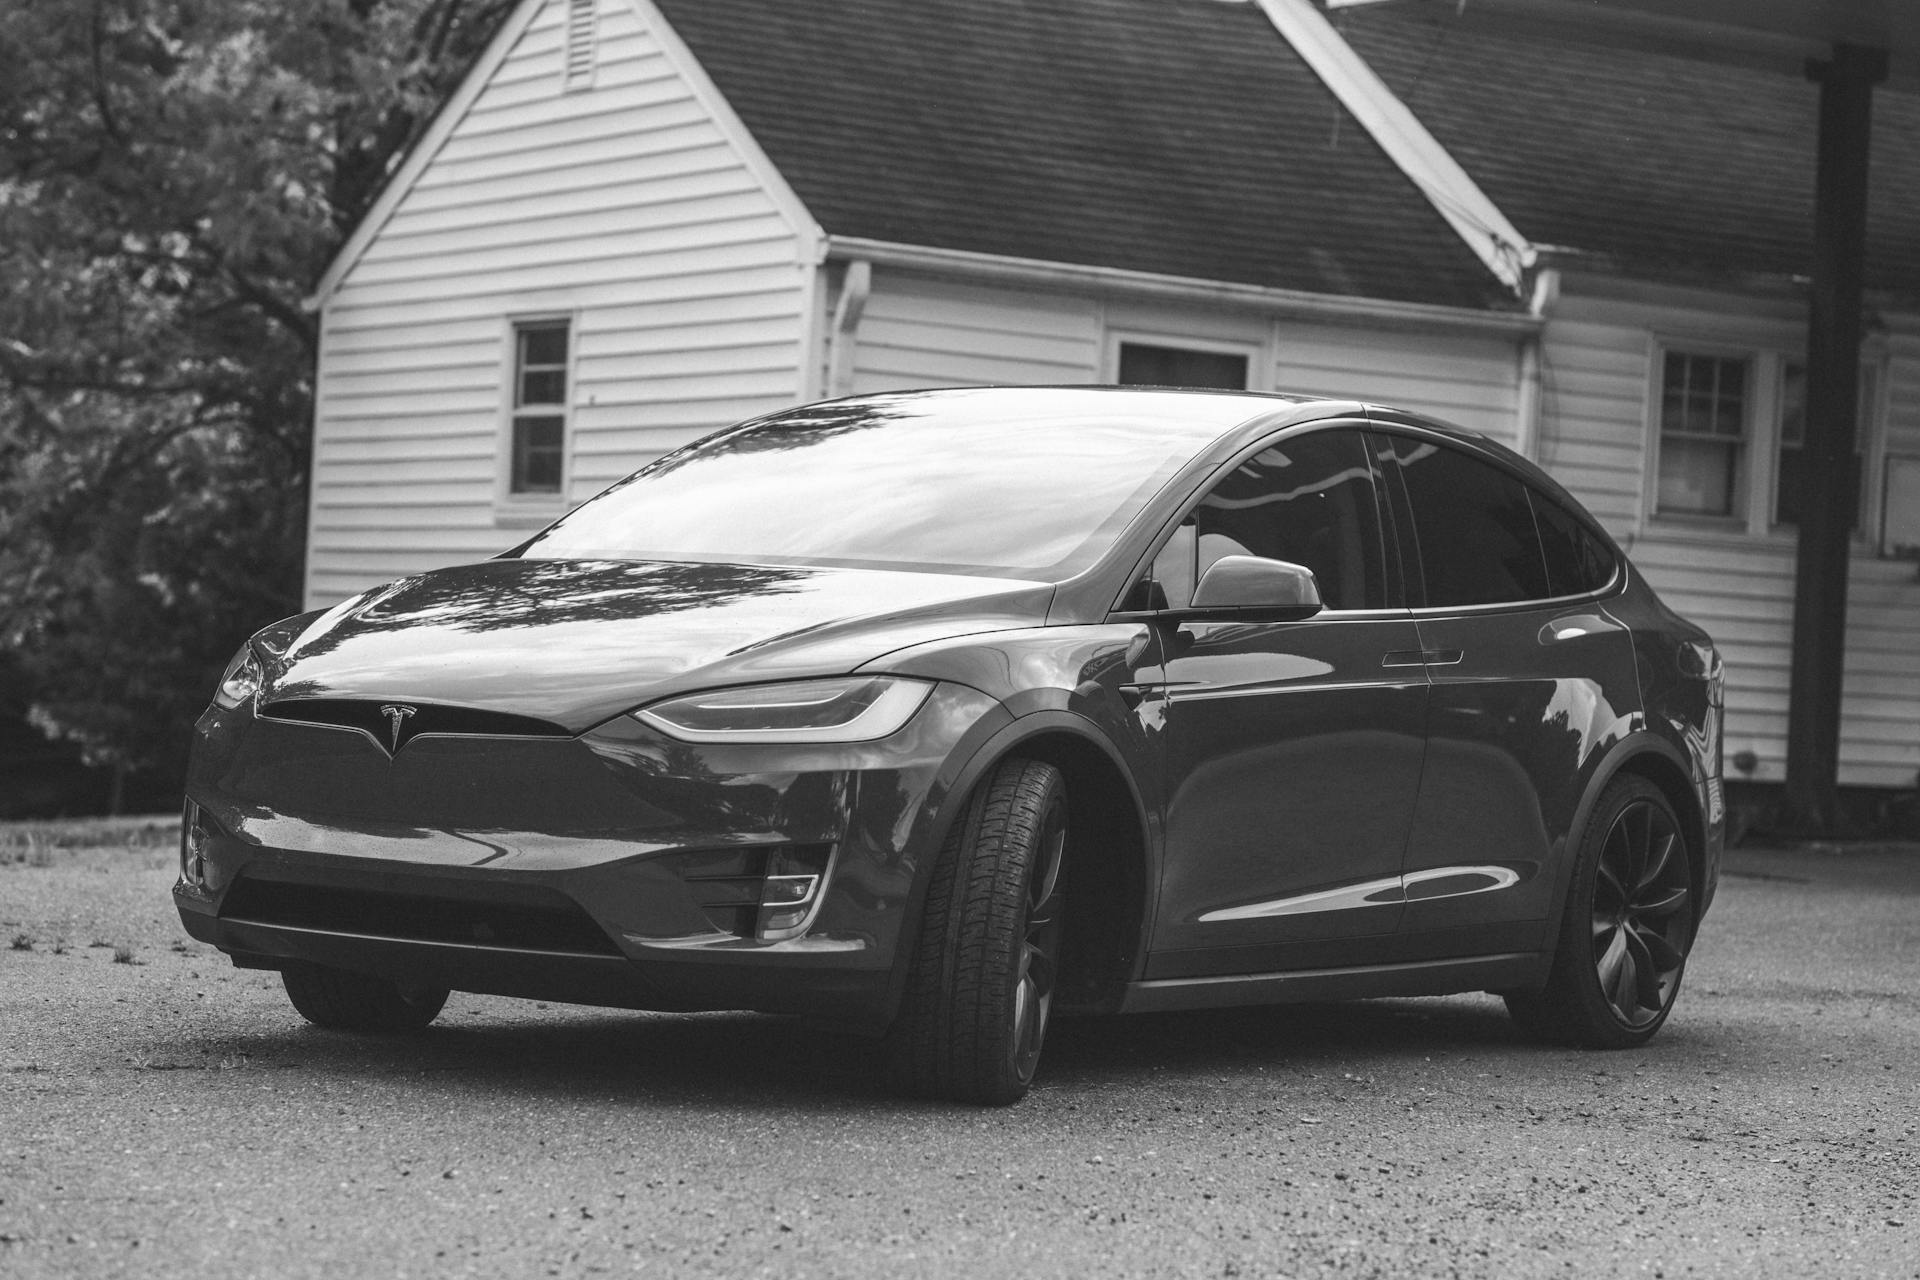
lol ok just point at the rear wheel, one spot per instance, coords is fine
(983, 971)
(344, 1001)
(1628, 924)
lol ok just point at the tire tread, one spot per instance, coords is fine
(950, 1039)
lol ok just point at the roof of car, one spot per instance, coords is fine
(1180, 137)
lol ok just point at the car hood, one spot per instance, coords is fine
(574, 642)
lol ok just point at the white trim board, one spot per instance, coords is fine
(1288, 303)
(1429, 166)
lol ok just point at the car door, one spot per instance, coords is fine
(1531, 679)
(1293, 749)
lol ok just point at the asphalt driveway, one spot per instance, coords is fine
(162, 1114)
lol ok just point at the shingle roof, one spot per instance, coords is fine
(1181, 137)
(1664, 167)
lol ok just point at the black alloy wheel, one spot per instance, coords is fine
(1039, 966)
(1640, 918)
(1628, 924)
(987, 961)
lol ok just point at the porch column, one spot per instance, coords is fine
(1831, 483)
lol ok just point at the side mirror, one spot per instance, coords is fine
(1253, 584)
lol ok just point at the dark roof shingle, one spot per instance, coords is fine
(1181, 137)
(1659, 166)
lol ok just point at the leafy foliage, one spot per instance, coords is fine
(174, 177)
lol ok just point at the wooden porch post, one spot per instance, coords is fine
(1831, 485)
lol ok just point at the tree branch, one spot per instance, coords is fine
(101, 101)
(296, 321)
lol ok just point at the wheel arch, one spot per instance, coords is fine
(1107, 823)
(1659, 762)
(1671, 778)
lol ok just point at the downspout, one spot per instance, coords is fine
(844, 339)
(1527, 428)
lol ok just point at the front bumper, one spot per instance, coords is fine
(619, 867)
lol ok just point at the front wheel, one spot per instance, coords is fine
(344, 1001)
(983, 970)
(1628, 924)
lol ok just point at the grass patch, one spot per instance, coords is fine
(36, 843)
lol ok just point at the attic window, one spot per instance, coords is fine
(1150, 365)
(581, 15)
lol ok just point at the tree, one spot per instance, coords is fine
(174, 177)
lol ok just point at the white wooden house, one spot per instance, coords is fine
(639, 220)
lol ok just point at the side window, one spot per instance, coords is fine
(1473, 524)
(1577, 562)
(1309, 500)
(1168, 581)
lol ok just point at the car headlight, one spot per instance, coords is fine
(847, 709)
(240, 681)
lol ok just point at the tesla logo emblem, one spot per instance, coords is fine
(396, 714)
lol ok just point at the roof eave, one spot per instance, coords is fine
(1290, 303)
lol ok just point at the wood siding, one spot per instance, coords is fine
(628, 207)
(1595, 438)
(920, 330)
(1470, 381)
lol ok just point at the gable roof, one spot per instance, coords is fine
(1177, 137)
(1652, 165)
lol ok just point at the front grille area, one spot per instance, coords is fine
(377, 718)
(731, 885)
(539, 919)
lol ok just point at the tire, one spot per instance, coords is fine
(984, 967)
(1628, 925)
(343, 1001)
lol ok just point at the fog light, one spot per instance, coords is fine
(788, 890)
(790, 893)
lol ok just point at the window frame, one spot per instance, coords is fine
(1259, 367)
(532, 508)
(1869, 439)
(1759, 399)
(1758, 475)
(1411, 556)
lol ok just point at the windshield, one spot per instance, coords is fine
(1014, 482)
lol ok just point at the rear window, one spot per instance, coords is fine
(1474, 525)
(1487, 537)
(1577, 560)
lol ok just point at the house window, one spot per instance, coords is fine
(1146, 365)
(1703, 433)
(1789, 475)
(539, 434)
